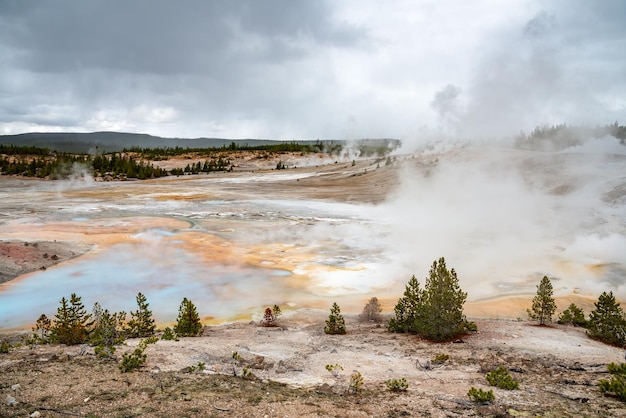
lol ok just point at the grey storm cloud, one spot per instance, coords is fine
(309, 69)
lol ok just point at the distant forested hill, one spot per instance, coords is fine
(117, 141)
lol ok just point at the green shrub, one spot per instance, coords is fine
(397, 385)
(502, 379)
(134, 360)
(356, 383)
(573, 315)
(440, 359)
(617, 385)
(138, 357)
(334, 369)
(480, 396)
(5, 347)
(168, 335)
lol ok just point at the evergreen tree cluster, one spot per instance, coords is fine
(435, 312)
(606, 323)
(55, 167)
(121, 164)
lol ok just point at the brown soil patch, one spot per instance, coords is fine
(21, 257)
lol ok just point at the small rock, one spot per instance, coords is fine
(87, 399)
(16, 387)
(11, 400)
(35, 414)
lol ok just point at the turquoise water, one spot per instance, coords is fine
(163, 272)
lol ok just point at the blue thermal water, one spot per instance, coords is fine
(164, 272)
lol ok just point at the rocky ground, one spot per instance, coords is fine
(558, 369)
(21, 257)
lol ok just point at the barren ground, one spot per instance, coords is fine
(558, 367)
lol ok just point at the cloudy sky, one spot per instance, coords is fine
(287, 69)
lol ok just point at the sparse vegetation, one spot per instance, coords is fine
(397, 385)
(480, 396)
(334, 369)
(616, 386)
(501, 378)
(107, 330)
(440, 358)
(355, 386)
(436, 312)
(5, 347)
(137, 358)
(607, 322)
(335, 323)
(168, 335)
(270, 316)
(544, 305)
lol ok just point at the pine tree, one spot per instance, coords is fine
(442, 300)
(335, 323)
(436, 312)
(408, 309)
(607, 322)
(42, 328)
(544, 305)
(108, 330)
(71, 324)
(188, 322)
(141, 323)
(371, 311)
(268, 318)
(573, 315)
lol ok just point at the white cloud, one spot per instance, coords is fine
(310, 69)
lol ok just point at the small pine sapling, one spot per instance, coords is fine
(335, 323)
(501, 378)
(573, 315)
(42, 328)
(188, 321)
(480, 396)
(269, 318)
(168, 335)
(617, 385)
(141, 323)
(138, 357)
(544, 305)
